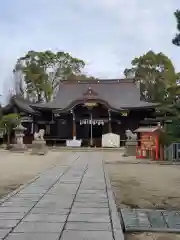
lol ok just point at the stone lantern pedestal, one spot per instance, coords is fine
(19, 146)
(1, 133)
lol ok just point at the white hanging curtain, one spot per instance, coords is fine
(94, 122)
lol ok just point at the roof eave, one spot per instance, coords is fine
(42, 107)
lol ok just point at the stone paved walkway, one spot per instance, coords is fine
(71, 201)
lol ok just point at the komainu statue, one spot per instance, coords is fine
(39, 144)
(131, 136)
(39, 135)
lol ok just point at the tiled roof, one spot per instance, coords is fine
(21, 103)
(118, 94)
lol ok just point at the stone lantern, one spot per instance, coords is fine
(19, 134)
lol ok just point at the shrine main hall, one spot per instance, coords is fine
(84, 110)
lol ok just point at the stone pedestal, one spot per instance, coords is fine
(39, 147)
(19, 146)
(130, 148)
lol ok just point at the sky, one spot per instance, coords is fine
(106, 34)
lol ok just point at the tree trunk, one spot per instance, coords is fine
(46, 98)
(8, 139)
(39, 97)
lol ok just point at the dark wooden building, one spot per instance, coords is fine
(85, 110)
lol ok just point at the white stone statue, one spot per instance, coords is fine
(39, 135)
(131, 136)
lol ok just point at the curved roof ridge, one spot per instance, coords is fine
(98, 81)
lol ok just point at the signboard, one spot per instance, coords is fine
(93, 122)
(124, 113)
(148, 140)
(90, 104)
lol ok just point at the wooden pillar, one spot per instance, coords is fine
(74, 124)
(91, 137)
(109, 122)
(32, 125)
(32, 128)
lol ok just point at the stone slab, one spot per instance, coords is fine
(55, 204)
(58, 199)
(90, 210)
(33, 236)
(91, 191)
(92, 200)
(50, 210)
(24, 197)
(86, 226)
(96, 218)
(89, 194)
(4, 232)
(35, 190)
(85, 187)
(14, 209)
(27, 195)
(45, 218)
(91, 205)
(11, 216)
(61, 191)
(86, 235)
(39, 227)
(28, 204)
(70, 181)
(8, 223)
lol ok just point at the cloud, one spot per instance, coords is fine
(107, 34)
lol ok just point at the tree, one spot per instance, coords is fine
(154, 73)
(8, 122)
(42, 72)
(1, 114)
(176, 39)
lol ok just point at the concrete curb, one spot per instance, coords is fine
(146, 163)
(115, 219)
(84, 149)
